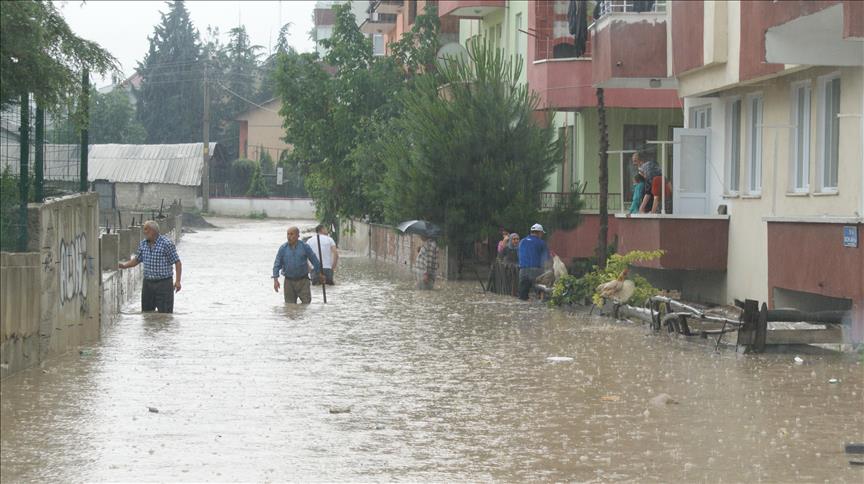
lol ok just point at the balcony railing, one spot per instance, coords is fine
(591, 201)
(631, 6)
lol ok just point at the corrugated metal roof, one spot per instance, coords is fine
(177, 164)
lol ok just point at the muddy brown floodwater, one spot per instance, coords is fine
(449, 385)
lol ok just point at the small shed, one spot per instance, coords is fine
(139, 177)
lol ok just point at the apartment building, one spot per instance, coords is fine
(770, 165)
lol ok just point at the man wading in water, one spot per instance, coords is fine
(158, 254)
(293, 260)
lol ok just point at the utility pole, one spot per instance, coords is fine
(206, 173)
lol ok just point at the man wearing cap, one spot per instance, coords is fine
(533, 254)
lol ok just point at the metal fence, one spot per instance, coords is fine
(591, 201)
(40, 157)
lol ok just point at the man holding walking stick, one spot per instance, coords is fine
(292, 260)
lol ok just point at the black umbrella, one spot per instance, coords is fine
(578, 22)
(420, 227)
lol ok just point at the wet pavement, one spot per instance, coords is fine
(449, 385)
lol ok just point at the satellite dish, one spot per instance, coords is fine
(452, 52)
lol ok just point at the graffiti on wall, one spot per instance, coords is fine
(74, 268)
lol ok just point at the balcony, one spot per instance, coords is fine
(590, 201)
(469, 8)
(562, 84)
(629, 45)
(828, 37)
(392, 7)
(691, 242)
(379, 23)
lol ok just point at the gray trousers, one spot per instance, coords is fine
(297, 288)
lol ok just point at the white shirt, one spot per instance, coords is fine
(327, 245)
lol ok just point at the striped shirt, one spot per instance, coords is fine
(158, 258)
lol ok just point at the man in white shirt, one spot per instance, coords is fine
(329, 253)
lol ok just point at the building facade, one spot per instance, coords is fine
(774, 91)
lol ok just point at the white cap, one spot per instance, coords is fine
(537, 228)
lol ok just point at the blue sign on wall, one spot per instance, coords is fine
(850, 236)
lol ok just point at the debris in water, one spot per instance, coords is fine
(799, 360)
(559, 359)
(663, 399)
(610, 398)
(340, 409)
(4, 366)
(85, 352)
(833, 380)
(153, 409)
(855, 448)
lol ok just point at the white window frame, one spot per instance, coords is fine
(820, 135)
(695, 111)
(731, 150)
(755, 144)
(383, 50)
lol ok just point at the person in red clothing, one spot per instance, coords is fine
(655, 190)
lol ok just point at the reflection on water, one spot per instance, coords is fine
(447, 385)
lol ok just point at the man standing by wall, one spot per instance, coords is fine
(293, 260)
(533, 254)
(329, 253)
(158, 254)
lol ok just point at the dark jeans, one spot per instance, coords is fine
(158, 295)
(527, 276)
(328, 275)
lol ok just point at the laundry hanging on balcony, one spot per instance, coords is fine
(577, 20)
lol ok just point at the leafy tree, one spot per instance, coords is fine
(112, 120)
(170, 99)
(326, 115)
(40, 54)
(417, 48)
(237, 81)
(241, 173)
(470, 154)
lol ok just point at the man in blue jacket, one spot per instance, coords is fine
(293, 260)
(533, 254)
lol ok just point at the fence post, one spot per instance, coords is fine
(39, 168)
(24, 172)
(85, 132)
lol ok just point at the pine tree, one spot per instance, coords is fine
(170, 99)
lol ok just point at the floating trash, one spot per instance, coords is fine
(559, 359)
(833, 381)
(799, 360)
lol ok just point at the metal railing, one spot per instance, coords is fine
(591, 201)
(631, 6)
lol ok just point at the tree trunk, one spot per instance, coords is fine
(603, 180)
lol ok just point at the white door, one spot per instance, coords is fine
(690, 188)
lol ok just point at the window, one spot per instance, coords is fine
(800, 172)
(829, 132)
(517, 35)
(700, 117)
(733, 146)
(754, 143)
(377, 44)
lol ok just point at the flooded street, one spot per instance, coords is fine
(449, 385)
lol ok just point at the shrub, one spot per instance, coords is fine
(240, 174)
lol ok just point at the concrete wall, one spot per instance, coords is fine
(20, 311)
(140, 196)
(291, 208)
(387, 244)
(69, 241)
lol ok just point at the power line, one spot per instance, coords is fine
(246, 100)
